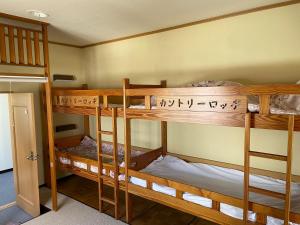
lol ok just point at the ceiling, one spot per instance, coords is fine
(83, 22)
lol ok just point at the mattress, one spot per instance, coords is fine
(217, 179)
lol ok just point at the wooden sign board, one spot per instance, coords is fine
(237, 104)
(81, 101)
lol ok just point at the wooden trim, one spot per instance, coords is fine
(21, 19)
(268, 89)
(257, 9)
(65, 44)
(50, 130)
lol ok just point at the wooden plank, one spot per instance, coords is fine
(291, 126)
(20, 45)
(49, 113)
(148, 102)
(2, 44)
(271, 89)
(99, 152)
(267, 192)
(164, 136)
(11, 43)
(105, 101)
(83, 101)
(29, 48)
(22, 19)
(116, 160)
(268, 155)
(246, 166)
(185, 206)
(127, 129)
(36, 48)
(96, 92)
(264, 104)
(233, 104)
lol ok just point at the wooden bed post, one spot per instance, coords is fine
(49, 118)
(86, 118)
(246, 166)
(127, 148)
(164, 127)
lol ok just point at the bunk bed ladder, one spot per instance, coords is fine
(114, 158)
(288, 159)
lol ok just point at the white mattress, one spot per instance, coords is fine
(220, 180)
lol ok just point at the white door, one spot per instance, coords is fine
(25, 152)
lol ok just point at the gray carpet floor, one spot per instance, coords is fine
(71, 212)
(7, 189)
(13, 216)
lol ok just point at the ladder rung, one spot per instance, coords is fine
(107, 200)
(105, 132)
(268, 155)
(106, 156)
(267, 192)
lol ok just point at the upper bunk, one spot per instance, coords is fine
(225, 105)
(83, 101)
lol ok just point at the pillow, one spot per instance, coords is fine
(213, 83)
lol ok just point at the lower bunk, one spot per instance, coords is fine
(78, 155)
(211, 192)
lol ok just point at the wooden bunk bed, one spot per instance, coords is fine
(225, 106)
(79, 160)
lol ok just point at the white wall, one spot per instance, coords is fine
(5, 138)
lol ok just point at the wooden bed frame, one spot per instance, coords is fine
(243, 118)
(137, 162)
(82, 101)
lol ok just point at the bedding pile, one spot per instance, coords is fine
(217, 179)
(88, 149)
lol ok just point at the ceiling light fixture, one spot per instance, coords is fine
(37, 13)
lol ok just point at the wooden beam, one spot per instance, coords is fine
(50, 119)
(21, 19)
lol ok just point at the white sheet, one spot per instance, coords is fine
(217, 179)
